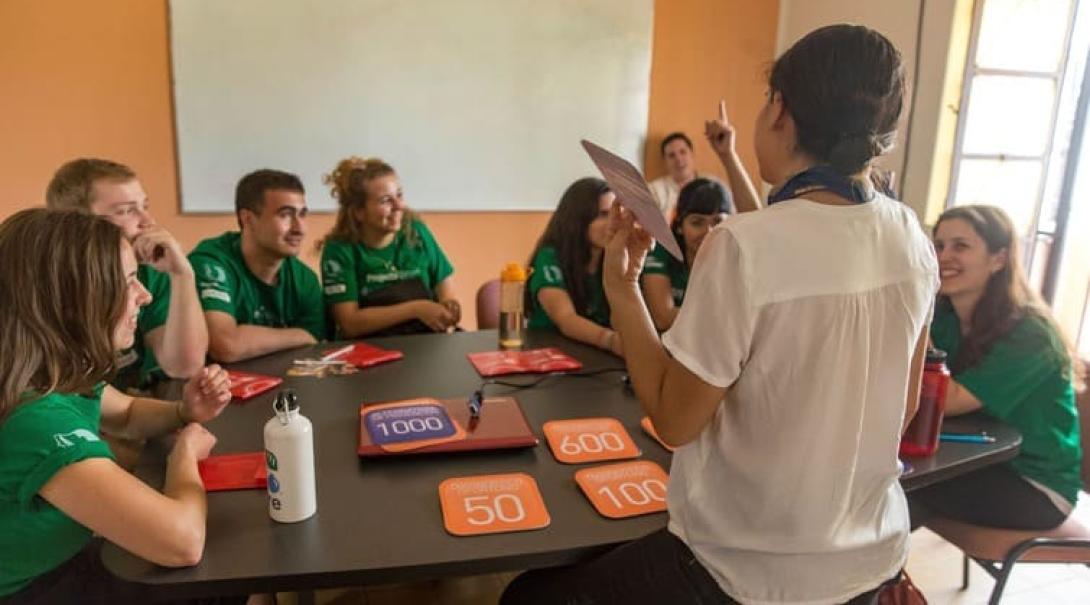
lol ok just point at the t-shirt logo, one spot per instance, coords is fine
(215, 273)
(69, 439)
(332, 267)
(553, 274)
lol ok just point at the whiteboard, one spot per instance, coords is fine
(478, 104)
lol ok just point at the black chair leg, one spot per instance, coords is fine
(964, 572)
(1000, 584)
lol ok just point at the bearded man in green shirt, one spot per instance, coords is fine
(258, 297)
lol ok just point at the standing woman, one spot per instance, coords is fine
(792, 367)
(59, 483)
(1010, 359)
(565, 290)
(701, 205)
(383, 273)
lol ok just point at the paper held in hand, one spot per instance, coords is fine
(631, 190)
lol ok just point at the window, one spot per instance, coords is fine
(1019, 136)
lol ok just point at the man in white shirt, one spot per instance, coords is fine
(677, 152)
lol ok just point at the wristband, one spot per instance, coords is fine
(178, 412)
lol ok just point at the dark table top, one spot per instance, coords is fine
(379, 520)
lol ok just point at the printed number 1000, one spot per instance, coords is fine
(412, 425)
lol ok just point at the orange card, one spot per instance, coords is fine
(492, 504)
(626, 489)
(589, 440)
(649, 428)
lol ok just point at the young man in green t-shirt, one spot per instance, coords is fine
(258, 297)
(171, 339)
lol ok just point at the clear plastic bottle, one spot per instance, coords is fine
(512, 289)
(289, 456)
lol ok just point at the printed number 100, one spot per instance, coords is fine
(636, 494)
(412, 425)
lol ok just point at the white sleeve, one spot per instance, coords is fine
(713, 331)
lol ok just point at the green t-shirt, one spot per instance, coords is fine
(1024, 380)
(352, 271)
(225, 283)
(138, 364)
(37, 439)
(661, 262)
(545, 272)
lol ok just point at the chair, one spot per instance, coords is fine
(997, 550)
(488, 305)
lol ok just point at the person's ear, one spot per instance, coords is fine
(998, 261)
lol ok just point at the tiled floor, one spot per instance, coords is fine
(934, 565)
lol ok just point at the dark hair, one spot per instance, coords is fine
(843, 86)
(698, 196)
(674, 136)
(72, 186)
(1007, 297)
(567, 234)
(250, 191)
(51, 345)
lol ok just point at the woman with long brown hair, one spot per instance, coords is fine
(69, 297)
(1010, 360)
(383, 272)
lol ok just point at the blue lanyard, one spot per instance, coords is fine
(822, 178)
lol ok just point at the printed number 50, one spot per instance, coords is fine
(486, 513)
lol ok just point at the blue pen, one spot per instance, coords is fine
(960, 438)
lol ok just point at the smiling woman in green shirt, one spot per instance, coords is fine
(565, 289)
(1010, 360)
(59, 484)
(383, 273)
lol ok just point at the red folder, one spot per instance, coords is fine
(501, 425)
(233, 471)
(537, 361)
(245, 385)
(363, 355)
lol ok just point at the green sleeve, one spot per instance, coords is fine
(217, 285)
(44, 438)
(657, 263)
(340, 283)
(1015, 367)
(154, 314)
(545, 272)
(439, 268)
(312, 309)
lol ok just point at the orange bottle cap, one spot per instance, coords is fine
(513, 272)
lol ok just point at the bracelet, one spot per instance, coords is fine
(178, 412)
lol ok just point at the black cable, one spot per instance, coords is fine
(477, 398)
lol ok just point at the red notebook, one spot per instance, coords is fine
(441, 425)
(233, 471)
(362, 355)
(245, 385)
(538, 361)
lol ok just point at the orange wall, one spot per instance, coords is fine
(93, 79)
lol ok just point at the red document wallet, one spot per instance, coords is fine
(233, 471)
(245, 385)
(501, 425)
(362, 355)
(535, 361)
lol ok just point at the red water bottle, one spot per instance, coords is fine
(922, 437)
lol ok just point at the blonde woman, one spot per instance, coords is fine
(382, 270)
